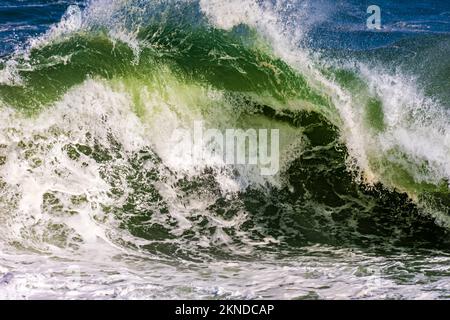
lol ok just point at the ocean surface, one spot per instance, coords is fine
(97, 201)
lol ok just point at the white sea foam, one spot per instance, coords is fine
(416, 125)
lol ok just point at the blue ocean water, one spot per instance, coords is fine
(22, 19)
(344, 26)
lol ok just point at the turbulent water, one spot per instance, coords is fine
(98, 201)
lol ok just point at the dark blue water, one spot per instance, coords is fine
(22, 19)
(345, 26)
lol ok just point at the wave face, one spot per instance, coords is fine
(98, 201)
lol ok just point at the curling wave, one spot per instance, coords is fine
(87, 160)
